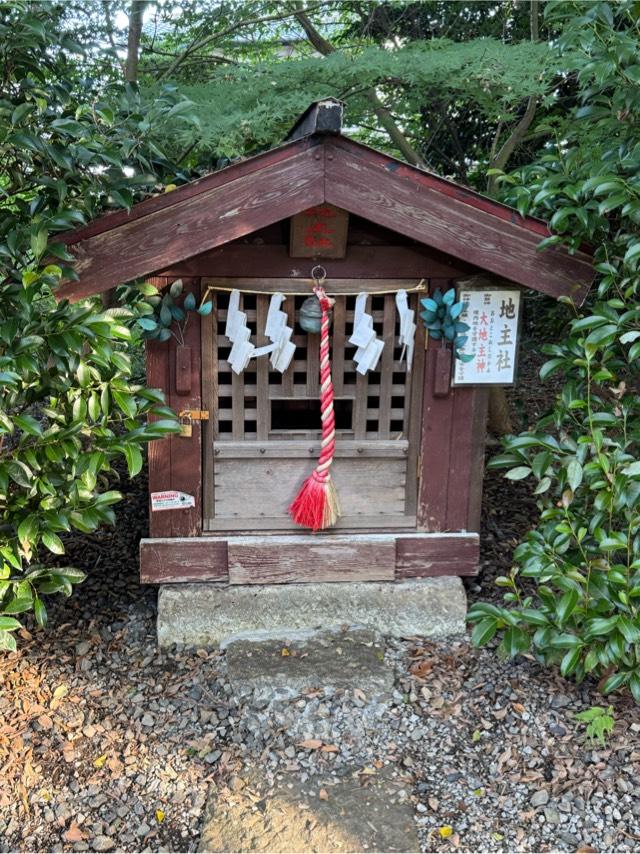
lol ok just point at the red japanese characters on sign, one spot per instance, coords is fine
(492, 317)
(320, 231)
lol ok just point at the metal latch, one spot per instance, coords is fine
(187, 417)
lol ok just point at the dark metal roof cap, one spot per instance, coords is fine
(321, 117)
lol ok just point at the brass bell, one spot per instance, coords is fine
(310, 315)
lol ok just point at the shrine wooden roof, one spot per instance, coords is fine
(320, 167)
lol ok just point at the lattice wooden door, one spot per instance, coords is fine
(263, 434)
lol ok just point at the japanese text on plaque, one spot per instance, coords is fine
(492, 337)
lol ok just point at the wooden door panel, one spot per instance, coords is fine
(263, 439)
(257, 488)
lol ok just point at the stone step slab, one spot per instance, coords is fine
(209, 614)
(346, 658)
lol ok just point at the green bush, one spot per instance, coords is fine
(573, 597)
(68, 405)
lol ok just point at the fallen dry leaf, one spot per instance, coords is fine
(74, 834)
(421, 669)
(100, 761)
(329, 748)
(310, 744)
(160, 816)
(323, 795)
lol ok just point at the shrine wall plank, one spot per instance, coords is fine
(169, 560)
(460, 458)
(435, 449)
(425, 557)
(175, 463)
(281, 560)
(159, 451)
(477, 464)
(361, 262)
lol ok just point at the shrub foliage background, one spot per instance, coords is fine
(573, 597)
(68, 404)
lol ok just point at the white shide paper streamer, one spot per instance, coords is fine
(279, 333)
(408, 327)
(276, 329)
(364, 336)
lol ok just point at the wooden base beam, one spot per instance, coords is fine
(273, 559)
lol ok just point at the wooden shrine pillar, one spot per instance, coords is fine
(452, 447)
(175, 462)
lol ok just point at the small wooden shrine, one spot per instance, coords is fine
(409, 433)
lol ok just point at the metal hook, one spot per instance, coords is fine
(319, 277)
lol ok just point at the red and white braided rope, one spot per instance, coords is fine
(316, 505)
(328, 444)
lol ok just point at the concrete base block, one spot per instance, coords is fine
(210, 614)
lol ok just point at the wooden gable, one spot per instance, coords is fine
(165, 230)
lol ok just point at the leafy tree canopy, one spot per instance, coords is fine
(247, 107)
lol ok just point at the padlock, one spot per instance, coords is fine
(186, 426)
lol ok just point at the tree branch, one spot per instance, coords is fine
(500, 160)
(383, 114)
(196, 44)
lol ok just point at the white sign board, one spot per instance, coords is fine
(492, 339)
(171, 499)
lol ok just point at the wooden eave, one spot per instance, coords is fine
(254, 193)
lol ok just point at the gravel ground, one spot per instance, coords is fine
(490, 753)
(107, 744)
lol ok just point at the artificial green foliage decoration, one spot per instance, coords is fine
(440, 315)
(166, 315)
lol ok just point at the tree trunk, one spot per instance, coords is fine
(500, 159)
(499, 413)
(136, 12)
